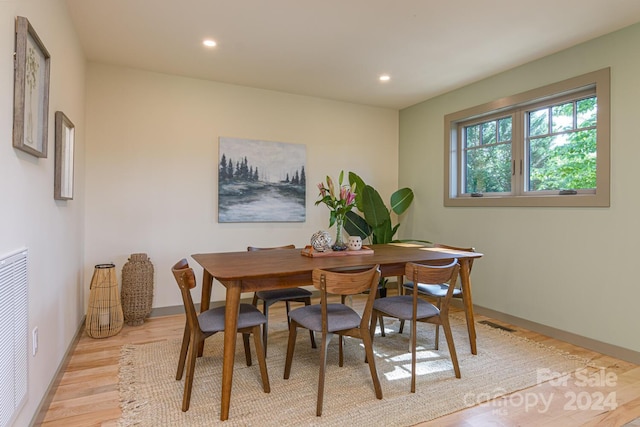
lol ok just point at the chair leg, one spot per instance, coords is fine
(183, 352)
(255, 300)
(452, 348)
(413, 354)
(401, 328)
(381, 293)
(340, 351)
(247, 348)
(261, 358)
(326, 338)
(307, 301)
(265, 327)
(438, 327)
(374, 320)
(372, 330)
(191, 365)
(293, 331)
(368, 348)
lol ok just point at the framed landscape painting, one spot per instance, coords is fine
(261, 181)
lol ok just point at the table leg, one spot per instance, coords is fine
(205, 301)
(231, 313)
(465, 280)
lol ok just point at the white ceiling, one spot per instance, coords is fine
(336, 49)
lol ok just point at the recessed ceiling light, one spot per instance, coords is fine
(385, 78)
(209, 43)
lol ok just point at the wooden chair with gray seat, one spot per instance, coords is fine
(438, 291)
(273, 296)
(415, 309)
(337, 318)
(198, 327)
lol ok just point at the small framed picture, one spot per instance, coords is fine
(65, 138)
(30, 91)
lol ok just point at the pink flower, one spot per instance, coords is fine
(343, 193)
(323, 191)
(351, 197)
(339, 206)
(331, 187)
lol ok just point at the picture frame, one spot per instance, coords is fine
(30, 91)
(261, 181)
(64, 167)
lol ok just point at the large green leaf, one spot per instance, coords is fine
(376, 223)
(401, 200)
(395, 229)
(374, 209)
(355, 225)
(383, 232)
(359, 183)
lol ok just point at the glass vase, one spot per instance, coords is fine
(339, 244)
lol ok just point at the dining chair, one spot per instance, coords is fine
(415, 309)
(198, 327)
(337, 318)
(438, 291)
(273, 296)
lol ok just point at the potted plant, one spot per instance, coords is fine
(373, 221)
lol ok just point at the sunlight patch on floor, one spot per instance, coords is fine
(427, 362)
(425, 367)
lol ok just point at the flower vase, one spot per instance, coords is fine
(339, 244)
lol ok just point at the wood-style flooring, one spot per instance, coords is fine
(87, 394)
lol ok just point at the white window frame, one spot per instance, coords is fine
(516, 105)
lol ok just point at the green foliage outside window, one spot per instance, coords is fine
(561, 150)
(488, 156)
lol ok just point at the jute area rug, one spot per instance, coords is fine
(505, 363)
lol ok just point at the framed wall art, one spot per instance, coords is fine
(261, 181)
(65, 140)
(30, 91)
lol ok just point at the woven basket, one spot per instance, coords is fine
(137, 289)
(104, 315)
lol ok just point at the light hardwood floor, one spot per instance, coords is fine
(87, 393)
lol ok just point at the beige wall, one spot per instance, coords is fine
(146, 182)
(51, 230)
(573, 269)
(152, 156)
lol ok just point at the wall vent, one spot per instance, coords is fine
(14, 343)
(496, 326)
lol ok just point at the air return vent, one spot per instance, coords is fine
(13, 335)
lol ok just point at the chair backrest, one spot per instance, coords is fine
(186, 279)
(455, 248)
(433, 275)
(347, 283)
(253, 248)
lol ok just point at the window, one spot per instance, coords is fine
(545, 147)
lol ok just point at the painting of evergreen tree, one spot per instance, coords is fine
(261, 181)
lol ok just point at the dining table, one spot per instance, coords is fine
(248, 271)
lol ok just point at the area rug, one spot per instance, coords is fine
(505, 363)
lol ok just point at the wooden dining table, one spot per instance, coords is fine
(286, 268)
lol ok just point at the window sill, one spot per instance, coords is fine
(569, 201)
